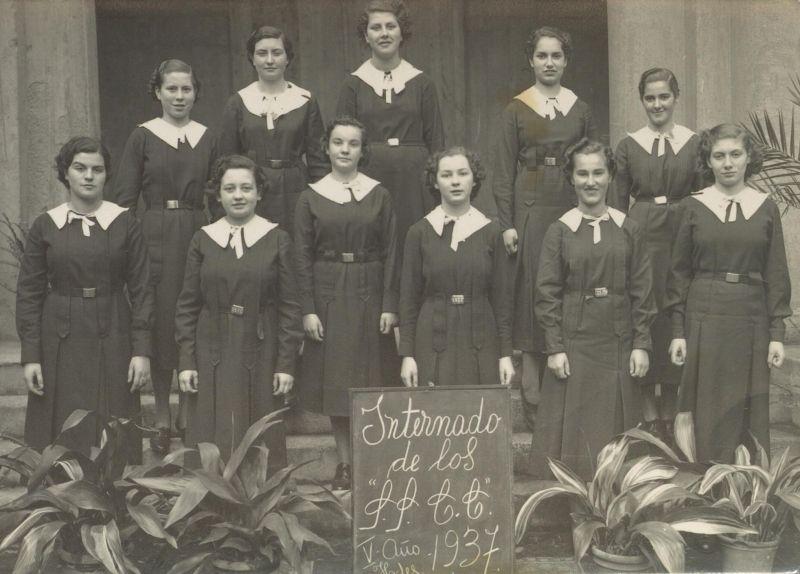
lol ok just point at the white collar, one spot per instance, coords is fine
(748, 199)
(259, 104)
(573, 217)
(465, 225)
(375, 78)
(544, 105)
(252, 231)
(338, 192)
(677, 137)
(105, 214)
(172, 135)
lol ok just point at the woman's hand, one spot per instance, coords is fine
(32, 373)
(282, 383)
(139, 373)
(313, 327)
(639, 363)
(677, 352)
(775, 354)
(510, 239)
(506, 366)
(559, 364)
(408, 372)
(187, 381)
(388, 321)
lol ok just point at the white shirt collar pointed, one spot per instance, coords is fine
(677, 138)
(172, 135)
(546, 106)
(464, 226)
(572, 219)
(718, 202)
(273, 107)
(105, 214)
(251, 232)
(339, 192)
(380, 82)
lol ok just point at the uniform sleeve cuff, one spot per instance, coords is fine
(31, 352)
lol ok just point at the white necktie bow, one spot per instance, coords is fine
(236, 240)
(662, 143)
(594, 222)
(87, 221)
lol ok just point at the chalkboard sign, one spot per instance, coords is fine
(432, 473)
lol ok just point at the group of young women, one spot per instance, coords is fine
(344, 256)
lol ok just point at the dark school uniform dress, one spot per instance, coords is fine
(84, 308)
(728, 293)
(530, 189)
(168, 167)
(454, 299)
(401, 113)
(348, 274)
(657, 173)
(277, 133)
(237, 323)
(594, 299)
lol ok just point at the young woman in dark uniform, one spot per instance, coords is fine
(277, 124)
(594, 300)
(84, 306)
(348, 275)
(656, 168)
(237, 322)
(729, 293)
(167, 161)
(398, 105)
(530, 189)
(455, 305)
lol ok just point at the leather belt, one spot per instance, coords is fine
(348, 256)
(86, 292)
(170, 204)
(280, 163)
(458, 299)
(658, 200)
(753, 277)
(597, 293)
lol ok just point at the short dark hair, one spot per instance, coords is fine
(659, 75)
(227, 162)
(432, 168)
(265, 32)
(348, 121)
(729, 131)
(549, 32)
(585, 146)
(76, 145)
(166, 67)
(396, 7)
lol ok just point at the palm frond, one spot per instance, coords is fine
(794, 90)
(780, 171)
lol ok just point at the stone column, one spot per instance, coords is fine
(48, 93)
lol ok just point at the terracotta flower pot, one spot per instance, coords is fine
(82, 562)
(740, 556)
(619, 563)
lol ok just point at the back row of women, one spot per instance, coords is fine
(587, 281)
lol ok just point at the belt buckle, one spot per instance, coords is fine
(237, 310)
(732, 277)
(173, 204)
(348, 257)
(393, 142)
(89, 292)
(600, 292)
(275, 163)
(550, 161)
(660, 200)
(457, 299)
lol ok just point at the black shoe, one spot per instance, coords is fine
(160, 442)
(342, 478)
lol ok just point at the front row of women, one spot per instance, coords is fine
(85, 308)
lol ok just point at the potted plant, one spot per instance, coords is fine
(72, 505)
(632, 519)
(230, 514)
(763, 494)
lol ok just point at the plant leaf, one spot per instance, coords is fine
(719, 471)
(237, 543)
(706, 520)
(30, 521)
(666, 542)
(216, 534)
(253, 470)
(301, 534)
(218, 486)
(210, 457)
(642, 435)
(82, 494)
(647, 469)
(274, 523)
(148, 520)
(273, 491)
(582, 536)
(790, 498)
(565, 476)
(609, 464)
(49, 456)
(168, 484)
(741, 456)
(526, 511)
(190, 564)
(684, 435)
(256, 430)
(36, 548)
(191, 496)
(74, 419)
